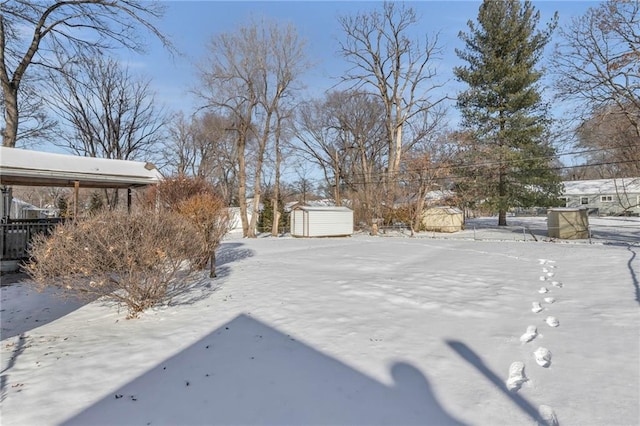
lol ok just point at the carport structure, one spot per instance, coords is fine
(21, 167)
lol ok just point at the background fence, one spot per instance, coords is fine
(16, 236)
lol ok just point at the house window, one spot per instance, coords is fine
(606, 198)
(566, 200)
(584, 200)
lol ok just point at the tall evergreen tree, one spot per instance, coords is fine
(511, 157)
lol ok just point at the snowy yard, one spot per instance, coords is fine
(361, 330)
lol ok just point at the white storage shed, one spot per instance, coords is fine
(309, 221)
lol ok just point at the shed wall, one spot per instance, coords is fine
(297, 223)
(329, 223)
(442, 220)
(309, 222)
(569, 224)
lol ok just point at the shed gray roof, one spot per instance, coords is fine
(36, 168)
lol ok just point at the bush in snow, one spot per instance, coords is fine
(196, 200)
(171, 191)
(140, 259)
(211, 218)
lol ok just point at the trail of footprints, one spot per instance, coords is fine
(541, 355)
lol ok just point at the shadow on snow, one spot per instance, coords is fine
(247, 372)
(472, 358)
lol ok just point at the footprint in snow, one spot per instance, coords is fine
(552, 321)
(546, 262)
(543, 357)
(548, 416)
(516, 376)
(543, 278)
(557, 284)
(550, 299)
(536, 307)
(531, 334)
(543, 290)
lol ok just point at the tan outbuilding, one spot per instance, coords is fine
(442, 219)
(568, 223)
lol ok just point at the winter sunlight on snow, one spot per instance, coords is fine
(361, 330)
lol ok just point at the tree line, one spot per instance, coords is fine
(379, 139)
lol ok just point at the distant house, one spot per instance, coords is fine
(23, 210)
(604, 196)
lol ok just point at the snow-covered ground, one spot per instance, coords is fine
(361, 330)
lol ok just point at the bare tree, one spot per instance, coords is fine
(597, 60)
(303, 186)
(426, 169)
(344, 135)
(110, 113)
(399, 70)
(611, 144)
(247, 76)
(203, 147)
(35, 123)
(179, 152)
(282, 135)
(320, 143)
(79, 28)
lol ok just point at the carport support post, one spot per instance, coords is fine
(128, 200)
(76, 190)
(6, 203)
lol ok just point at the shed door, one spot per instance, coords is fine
(297, 224)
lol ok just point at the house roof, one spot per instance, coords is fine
(23, 167)
(602, 186)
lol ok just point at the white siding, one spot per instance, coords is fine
(606, 196)
(297, 223)
(321, 221)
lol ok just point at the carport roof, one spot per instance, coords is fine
(21, 167)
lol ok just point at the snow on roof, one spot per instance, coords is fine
(25, 167)
(439, 195)
(601, 186)
(323, 208)
(22, 204)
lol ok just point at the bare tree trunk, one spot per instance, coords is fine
(212, 266)
(276, 218)
(502, 211)
(242, 186)
(336, 179)
(10, 134)
(276, 192)
(417, 220)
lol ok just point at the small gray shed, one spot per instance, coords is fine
(568, 224)
(310, 221)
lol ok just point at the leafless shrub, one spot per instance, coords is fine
(195, 200)
(171, 191)
(210, 216)
(139, 260)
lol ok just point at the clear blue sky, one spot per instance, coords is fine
(190, 24)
